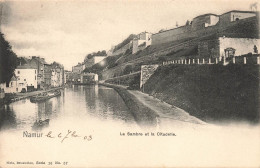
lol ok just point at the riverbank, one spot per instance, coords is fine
(20, 96)
(146, 108)
(142, 114)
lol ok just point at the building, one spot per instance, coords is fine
(143, 40)
(202, 21)
(78, 68)
(235, 15)
(88, 77)
(57, 75)
(208, 24)
(38, 63)
(47, 75)
(11, 87)
(26, 78)
(227, 47)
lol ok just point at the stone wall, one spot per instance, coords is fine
(146, 72)
(207, 25)
(241, 45)
(171, 35)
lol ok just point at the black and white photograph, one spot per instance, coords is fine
(129, 83)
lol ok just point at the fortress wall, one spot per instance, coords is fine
(171, 35)
(248, 27)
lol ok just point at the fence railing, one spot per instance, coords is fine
(234, 60)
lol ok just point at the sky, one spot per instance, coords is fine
(66, 31)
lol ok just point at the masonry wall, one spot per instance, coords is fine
(171, 35)
(242, 45)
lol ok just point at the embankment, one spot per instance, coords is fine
(209, 92)
(142, 114)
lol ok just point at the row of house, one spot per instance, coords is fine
(78, 76)
(35, 74)
(203, 25)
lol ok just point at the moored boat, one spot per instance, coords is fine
(45, 96)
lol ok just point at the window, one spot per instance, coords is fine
(35, 71)
(24, 79)
(18, 72)
(35, 77)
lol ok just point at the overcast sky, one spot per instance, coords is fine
(66, 31)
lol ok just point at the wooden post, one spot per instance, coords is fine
(185, 61)
(224, 61)
(193, 60)
(181, 61)
(209, 60)
(258, 60)
(198, 61)
(203, 61)
(244, 60)
(216, 60)
(189, 61)
(234, 60)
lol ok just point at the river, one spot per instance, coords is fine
(85, 102)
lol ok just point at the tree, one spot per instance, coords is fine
(128, 69)
(7, 60)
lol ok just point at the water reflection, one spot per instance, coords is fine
(77, 101)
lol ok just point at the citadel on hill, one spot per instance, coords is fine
(200, 26)
(208, 38)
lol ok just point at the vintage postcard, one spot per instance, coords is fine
(129, 83)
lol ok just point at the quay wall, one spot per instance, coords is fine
(142, 114)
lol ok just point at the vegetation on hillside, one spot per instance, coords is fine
(126, 41)
(211, 93)
(7, 60)
(109, 62)
(99, 53)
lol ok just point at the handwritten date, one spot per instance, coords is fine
(69, 134)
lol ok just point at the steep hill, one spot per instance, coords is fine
(209, 92)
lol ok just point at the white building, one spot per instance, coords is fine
(144, 39)
(12, 87)
(26, 77)
(241, 45)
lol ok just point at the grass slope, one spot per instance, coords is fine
(211, 93)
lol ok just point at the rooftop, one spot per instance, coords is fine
(207, 14)
(26, 66)
(238, 11)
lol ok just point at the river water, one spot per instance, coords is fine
(85, 102)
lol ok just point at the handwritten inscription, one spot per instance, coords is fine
(63, 136)
(69, 134)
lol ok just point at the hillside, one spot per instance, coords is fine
(210, 93)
